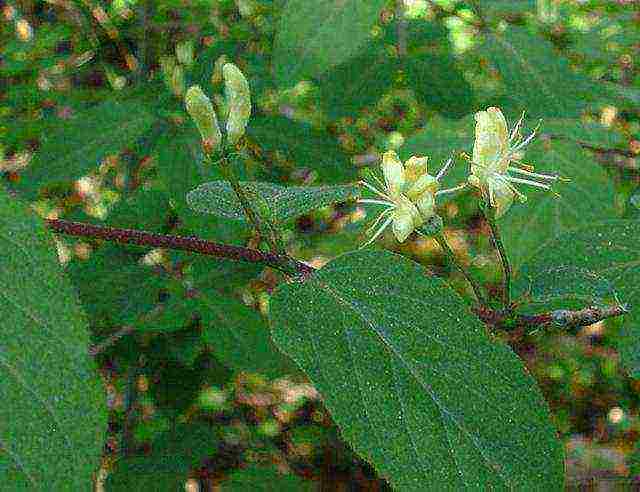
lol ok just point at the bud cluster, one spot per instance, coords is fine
(237, 101)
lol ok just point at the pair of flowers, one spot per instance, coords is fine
(409, 192)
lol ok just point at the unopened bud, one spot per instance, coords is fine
(177, 81)
(184, 52)
(238, 95)
(216, 76)
(167, 64)
(201, 110)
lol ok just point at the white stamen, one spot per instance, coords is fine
(451, 190)
(528, 182)
(375, 190)
(377, 234)
(515, 130)
(377, 202)
(551, 177)
(378, 219)
(444, 169)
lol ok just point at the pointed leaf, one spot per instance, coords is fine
(412, 379)
(217, 197)
(53, 410)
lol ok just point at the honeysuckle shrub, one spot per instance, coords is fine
(213, 237)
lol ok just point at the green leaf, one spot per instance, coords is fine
(286, 203)
(53, 410)
(113, 285)
(590, 133)
(413, 380)
(281, 138)
(239, 336)
(588, 197)
(359, 82)
(546, 288)
(165, 469)
(439, 83)
(610, 249)
(537, 79)
(315, 36)
(261, 478)
(181, 167)
(75, 147)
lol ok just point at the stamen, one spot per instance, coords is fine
(528, 182)
(444, 169)
(525, 142)
(377, 234)
(521, 196)
(550, 177)
(375, 190)
(451, 190)
(378, 219)
(516, 128)
(376, 202)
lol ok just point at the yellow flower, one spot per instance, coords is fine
(494, 152)
(408, 193)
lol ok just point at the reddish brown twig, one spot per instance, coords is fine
(283, 263)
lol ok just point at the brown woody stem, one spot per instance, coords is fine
(284, 263)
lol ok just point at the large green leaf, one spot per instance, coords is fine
(413, 380)
(113, 285)
(536, 77)
(75, 147)
(286, 203)
(610, 249)
(359, 82)
(239, 336)
(586, 198)
(53, 409)
(591, 133)
(315, 36)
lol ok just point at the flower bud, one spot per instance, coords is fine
(177, 81)
(216, 76)
(201, 110)
(167, 64)
(238, 95)
(184, 52)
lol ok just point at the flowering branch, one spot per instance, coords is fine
(284, 263)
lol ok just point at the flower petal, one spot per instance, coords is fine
(393, 172)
